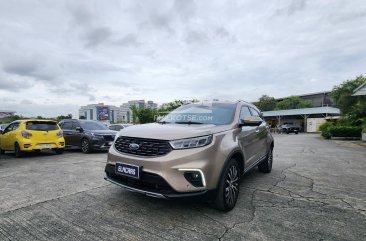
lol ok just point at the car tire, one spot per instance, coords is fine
(85, 146)
(296, 132)
(266, 165)
(59, 151)
(2, 151)
(17, 151)
(228, 188)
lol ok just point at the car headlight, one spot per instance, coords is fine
(191, 142)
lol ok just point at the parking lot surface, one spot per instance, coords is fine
(316, 191)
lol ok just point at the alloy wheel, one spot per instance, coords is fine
(232, 185)
(85, 146)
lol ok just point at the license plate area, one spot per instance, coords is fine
(45, 146)
(127, 170)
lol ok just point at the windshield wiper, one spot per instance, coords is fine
(189, 122)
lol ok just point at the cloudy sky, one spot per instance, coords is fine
(58, 55)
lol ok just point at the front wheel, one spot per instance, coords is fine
(266, 165)
(2, 151)
(228, 189)
(85, 146)
(17, 151)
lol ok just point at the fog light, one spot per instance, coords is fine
(27, 145)
(194, 177)
(62, 143)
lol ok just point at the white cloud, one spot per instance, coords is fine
(56, 56)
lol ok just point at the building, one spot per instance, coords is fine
(319, 99)
(5, 114)
(125, 114)
(100, 112)
(151, 105)
(309, 119)
(361, 90)
(140, 104)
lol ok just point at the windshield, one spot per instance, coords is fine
(91, 125)
(215, 113)
(41, 125)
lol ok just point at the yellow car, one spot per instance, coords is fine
(32, 135)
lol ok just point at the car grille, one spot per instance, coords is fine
(147, 147)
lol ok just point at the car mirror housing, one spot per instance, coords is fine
(250, 121)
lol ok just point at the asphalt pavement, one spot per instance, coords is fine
(316, 191)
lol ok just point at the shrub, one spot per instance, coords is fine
(324, 128)
(345, 131)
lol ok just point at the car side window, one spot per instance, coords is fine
(255, 112)
(66, 126)
(244, 112)
(15, 126)
(8, 128)
(75, 125)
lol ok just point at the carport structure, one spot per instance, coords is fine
(303, 114)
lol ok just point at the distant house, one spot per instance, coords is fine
(361, 90)
(4, 114)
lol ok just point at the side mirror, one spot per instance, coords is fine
(79, 129)
(250, 121)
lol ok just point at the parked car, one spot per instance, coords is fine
(3, 126)
(287, 128)
(198, 150)
(31, 135)
(87, 135)
(118, 127)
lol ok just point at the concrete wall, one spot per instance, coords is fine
(314, 123)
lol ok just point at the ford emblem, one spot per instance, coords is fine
(134, 146)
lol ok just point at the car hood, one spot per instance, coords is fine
(172, 131)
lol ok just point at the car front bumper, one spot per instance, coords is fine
(172, 167)
(150, 187)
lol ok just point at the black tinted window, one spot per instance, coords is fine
(67, 126)
(41, 125)
(8, 128)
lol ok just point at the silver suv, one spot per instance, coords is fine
(198, 150)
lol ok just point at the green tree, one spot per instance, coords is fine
(175, 104)
(293, 102)
(63, 117)
(352, 106)
(143, 115)
(266, 103)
